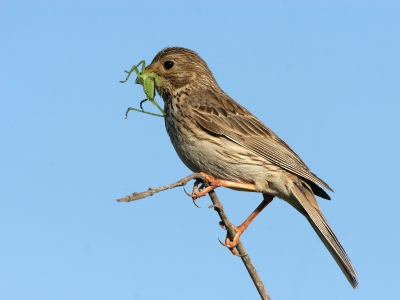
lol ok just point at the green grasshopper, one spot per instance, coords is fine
(148, 81)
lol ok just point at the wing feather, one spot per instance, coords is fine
(231, 120)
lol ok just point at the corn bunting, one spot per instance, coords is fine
(215, 135)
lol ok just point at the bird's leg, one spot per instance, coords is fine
(214, 183)
(232, 243)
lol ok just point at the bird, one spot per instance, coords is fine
(215, 135)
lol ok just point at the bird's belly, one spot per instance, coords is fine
(224, 159)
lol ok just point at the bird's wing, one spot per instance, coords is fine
(229, 119)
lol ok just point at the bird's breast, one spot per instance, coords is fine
(182, 132)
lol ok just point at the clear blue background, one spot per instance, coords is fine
(325, 77)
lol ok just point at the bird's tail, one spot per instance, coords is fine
(308, 206)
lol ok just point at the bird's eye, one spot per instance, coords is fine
(168, 65)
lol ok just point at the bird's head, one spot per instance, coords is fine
(179, 69)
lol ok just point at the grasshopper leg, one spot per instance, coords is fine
(141, 102)
(135, 68)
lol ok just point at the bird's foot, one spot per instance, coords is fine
(232, 243)
(200, 191)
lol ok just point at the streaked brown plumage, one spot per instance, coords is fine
(213, 134)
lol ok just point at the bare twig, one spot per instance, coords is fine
(151, 192)
(217, 205)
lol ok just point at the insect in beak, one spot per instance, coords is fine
(148, 80)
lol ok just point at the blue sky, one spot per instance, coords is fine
(324, 77)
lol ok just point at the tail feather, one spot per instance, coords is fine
(310, 209)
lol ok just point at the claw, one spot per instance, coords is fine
(194, 198)
(196, 193)
(195, 203)
(190, 195)
(232, 243)
(232, 249)
(222, 243)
